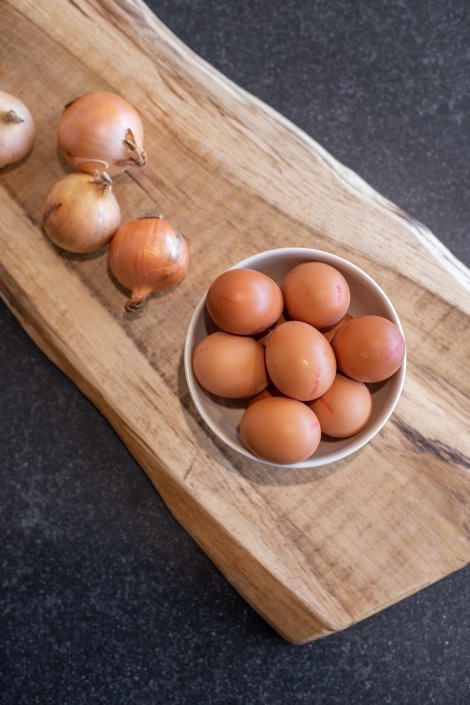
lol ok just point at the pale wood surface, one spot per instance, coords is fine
(312, 551)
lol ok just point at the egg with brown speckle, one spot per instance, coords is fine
(316, 293)
(369, 348)
(280, 430)
(299, 360)
(244, 301)
(344, 409)
(230, 365)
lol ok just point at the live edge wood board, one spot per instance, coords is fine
(313, 551)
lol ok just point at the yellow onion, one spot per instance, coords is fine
(17, 129)
(147, 255)
(81, 213)
(101, 131)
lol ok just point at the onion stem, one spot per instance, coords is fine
(138, 300)
(102, 179)
(137, 155)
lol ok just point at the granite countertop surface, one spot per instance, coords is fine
(103, 596)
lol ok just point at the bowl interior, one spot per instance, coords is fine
(223, 415)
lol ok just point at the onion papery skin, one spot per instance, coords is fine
(96, 131)
(17, 129)
(147, 255)
(81, 213)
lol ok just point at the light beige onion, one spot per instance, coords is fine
(17, 129)
(101, 131)
(147, 255)
(81, 213)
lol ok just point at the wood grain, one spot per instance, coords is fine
(312, 551)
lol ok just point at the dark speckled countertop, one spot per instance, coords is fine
(104, 599)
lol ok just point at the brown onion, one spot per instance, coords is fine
(17, 129)
(101, 131)
(81, 213)
(147, 255)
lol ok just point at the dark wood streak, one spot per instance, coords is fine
(75, 4)
(421, 444)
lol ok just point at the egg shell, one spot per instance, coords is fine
(230, 366)
(369, 348)
(316, 293)
(344, 409)
(280, 430)
(300, 361)
(244, 301)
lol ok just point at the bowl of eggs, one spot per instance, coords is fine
(295, 357)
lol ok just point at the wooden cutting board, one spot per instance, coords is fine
(313, 551)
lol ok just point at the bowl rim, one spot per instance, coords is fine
(356, 443)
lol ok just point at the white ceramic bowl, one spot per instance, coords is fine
(223, 415)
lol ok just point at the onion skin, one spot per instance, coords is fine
(17, 129)
(81, 213)
(101, 131)
(147, 255)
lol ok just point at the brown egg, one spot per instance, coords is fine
(344, 409)
(244, 301)
(280, 430)
(230, 366)
(330, 333)
(316, 293)
(299, 360)
(369, 348)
